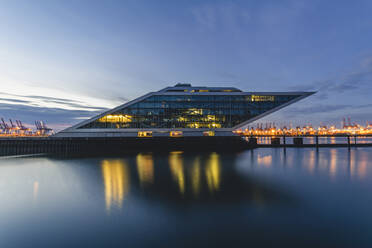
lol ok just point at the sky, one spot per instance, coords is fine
(63, 61)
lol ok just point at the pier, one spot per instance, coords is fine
(113, 145)
(309, 140)
(96, 146)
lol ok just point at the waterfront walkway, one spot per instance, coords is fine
(94, 146)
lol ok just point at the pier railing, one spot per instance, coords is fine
(308, 140)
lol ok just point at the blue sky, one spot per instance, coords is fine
(62, 61)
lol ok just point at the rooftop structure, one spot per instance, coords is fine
(184, 110)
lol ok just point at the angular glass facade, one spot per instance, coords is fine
(191, 111)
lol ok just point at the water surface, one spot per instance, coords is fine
(298, 197)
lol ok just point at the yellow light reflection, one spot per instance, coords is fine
(145, 168)
(116, 180)
(352, 163)
(362, 166)
(264, 160)
(196, 177)
(333, 163)
(35, 190)
(176, 167)
(213, 172)
(311, 166)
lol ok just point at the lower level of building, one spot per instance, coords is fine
(146, 133)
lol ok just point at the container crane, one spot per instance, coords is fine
(5, 126)
(42, 129)
(22, 128)
(13, 128)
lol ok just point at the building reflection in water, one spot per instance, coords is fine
(180, 178)
(145, 169)
(196, 177)
(116, 181)
(176, 168)
(213, 172)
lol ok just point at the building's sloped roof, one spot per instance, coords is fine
(189, 88)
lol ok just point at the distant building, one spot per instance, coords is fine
(184, 110)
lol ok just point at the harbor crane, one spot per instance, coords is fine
(22, 128)
(42, 129)
(6, 127)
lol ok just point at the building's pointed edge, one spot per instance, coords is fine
(302, 95)
(80, 124)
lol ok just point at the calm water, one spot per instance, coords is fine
(265, 197)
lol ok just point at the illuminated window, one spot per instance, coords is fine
(211, 117)
(144, 134)
(208, 133)
(193, 111)
(256, 98)
(214, 125)
(176, 134)
(116, 118)
(193, 125)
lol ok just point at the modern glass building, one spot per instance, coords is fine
(184, 110)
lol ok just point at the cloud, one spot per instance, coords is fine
(325, 109)
(45, 101)
(351, 82)
(316, 109)
(55, 117)
(47, 98)
(14, 100)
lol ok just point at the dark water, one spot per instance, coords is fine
(265, 197)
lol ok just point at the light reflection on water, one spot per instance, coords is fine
(321, 140)
(116, 181)
(230, 195)
(176, 167)
(212, 172)
(196, 175)
(145, 168)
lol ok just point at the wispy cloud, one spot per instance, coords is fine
(55, 117)
(326, 109)
(349, 82)
(13, 100)
(48, 102)
(316, 109)
(59, 113)
(338, 97)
